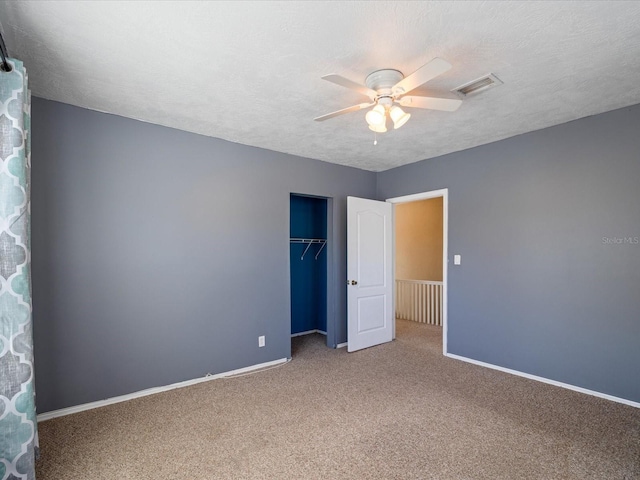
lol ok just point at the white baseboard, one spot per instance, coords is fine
(152, 391)
(308, 332)
(342, 345)
(546, 380)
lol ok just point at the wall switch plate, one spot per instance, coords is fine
(261, 341)
(457, 259)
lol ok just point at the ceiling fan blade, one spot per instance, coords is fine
(354, 108)
(435, 67)
(432, 103)
(345, 82)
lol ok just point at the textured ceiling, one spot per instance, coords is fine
(249, 72)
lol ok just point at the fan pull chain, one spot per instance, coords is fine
(375, 138)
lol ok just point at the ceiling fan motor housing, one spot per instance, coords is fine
(382, 81)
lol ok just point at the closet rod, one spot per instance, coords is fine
(309, 242)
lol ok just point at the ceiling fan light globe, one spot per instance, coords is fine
(376, 116)
(399, 117)
(378, 128)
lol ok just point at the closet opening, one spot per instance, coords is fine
(308, 260)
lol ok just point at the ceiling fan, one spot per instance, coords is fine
(388, 87)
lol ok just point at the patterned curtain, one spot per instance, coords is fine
(17, 403)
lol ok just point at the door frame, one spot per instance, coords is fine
(444, 193)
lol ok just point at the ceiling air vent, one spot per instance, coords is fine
(478, 85)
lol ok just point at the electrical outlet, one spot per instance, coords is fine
(261, 341)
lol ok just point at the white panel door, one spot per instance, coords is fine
(369, 273)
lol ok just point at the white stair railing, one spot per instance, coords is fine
(419, 300)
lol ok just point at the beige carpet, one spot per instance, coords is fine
(397, 411)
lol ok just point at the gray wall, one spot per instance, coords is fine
(160, 256)
(538, 290)
(148, 241)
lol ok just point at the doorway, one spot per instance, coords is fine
(420, 259)
(308, 262)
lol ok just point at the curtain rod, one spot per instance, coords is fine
(3, 52)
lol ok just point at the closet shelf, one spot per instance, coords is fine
(309, 242)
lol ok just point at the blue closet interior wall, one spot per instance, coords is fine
(308, 219)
